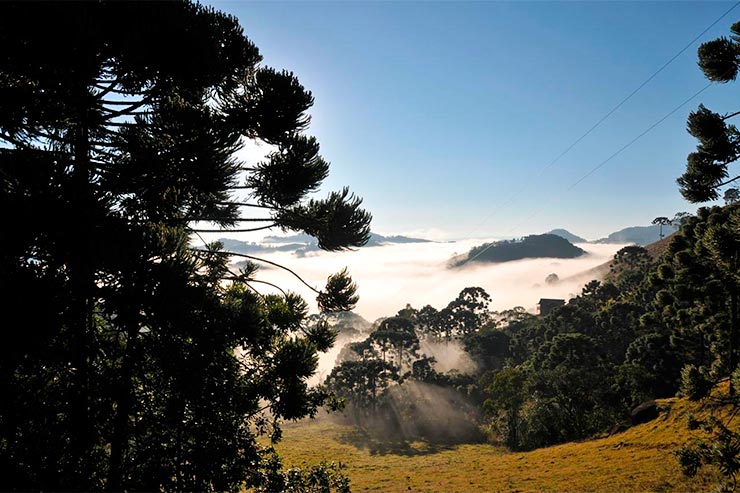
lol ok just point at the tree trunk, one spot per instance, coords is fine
(733, 324)
(119, 441)
(82, 284)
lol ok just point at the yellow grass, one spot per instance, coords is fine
(639, 459)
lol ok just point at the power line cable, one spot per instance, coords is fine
(601, 165)
(510, 199)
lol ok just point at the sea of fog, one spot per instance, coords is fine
(391, 276)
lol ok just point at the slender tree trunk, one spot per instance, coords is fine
(733, 323)
(81, 274)
(733, 335)
(119, 441)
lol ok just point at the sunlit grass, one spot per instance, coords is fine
(639, 459)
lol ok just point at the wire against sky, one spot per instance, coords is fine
(605, 117)
(600, 165)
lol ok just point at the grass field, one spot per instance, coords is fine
(638, 459)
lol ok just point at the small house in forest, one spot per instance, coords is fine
(546, 305)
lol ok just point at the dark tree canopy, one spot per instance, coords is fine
(139, 361)
(662, 221)
(718, 142)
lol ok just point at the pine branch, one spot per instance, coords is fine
(258, 411)
(250, 257)
(125, 111)
(100, 164)
(247, 204)
(239, 278)
(238, 220)
(230, 230)
(105, 89)
(119, 103)
(119, 124)
(236, 277)
(111, 90)
(35, 134)
(104, 153)
(103, 144)
(262, 296)
(18, 143)
(270, 284)
(727, 182)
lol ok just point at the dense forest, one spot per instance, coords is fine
(655, 327)
(584, 366)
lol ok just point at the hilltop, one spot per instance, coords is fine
(641, 235)
(564, 233)
(533, 246)
(638, 459)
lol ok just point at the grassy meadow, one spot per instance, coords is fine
(638, 459)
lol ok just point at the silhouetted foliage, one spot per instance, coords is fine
(143, 363)
(719, 142)
(661, 221)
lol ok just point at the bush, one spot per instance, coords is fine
(694, 384)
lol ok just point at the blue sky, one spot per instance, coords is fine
(442, 115)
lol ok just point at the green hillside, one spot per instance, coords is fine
(638, 459)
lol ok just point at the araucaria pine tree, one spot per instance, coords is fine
(131, 358)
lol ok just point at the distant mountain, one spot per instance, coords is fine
(375, 239)
(301, 238)
(248, 247)
(563, 233)
(641, 235)
(301, 244)
(533, 246)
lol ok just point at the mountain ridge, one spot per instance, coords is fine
(641, 235)
(300, 244)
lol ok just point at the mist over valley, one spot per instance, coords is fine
(393, 274)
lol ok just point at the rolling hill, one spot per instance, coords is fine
(639, 459)
(533, 246)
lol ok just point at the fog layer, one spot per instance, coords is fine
(391, 276)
